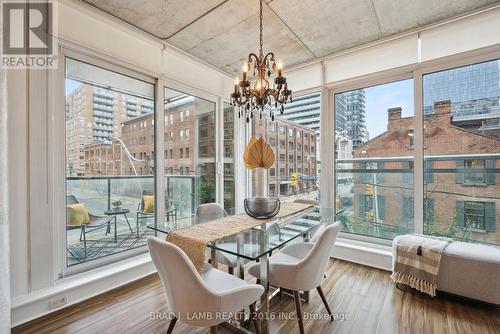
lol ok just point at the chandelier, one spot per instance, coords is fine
(253, 94)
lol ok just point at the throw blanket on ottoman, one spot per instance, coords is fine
(417, 260)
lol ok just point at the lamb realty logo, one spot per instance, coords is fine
(28, 34)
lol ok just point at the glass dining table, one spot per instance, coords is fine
(256, 244)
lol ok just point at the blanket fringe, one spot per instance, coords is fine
(416, 283)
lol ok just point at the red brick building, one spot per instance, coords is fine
(461, 197)
(295, 152)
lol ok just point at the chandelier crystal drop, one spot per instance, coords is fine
(252, 93)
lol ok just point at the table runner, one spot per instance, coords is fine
(193, 240)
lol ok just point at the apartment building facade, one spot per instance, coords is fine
(294, 146)
(456, 199)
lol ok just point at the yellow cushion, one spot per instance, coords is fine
(149, 204)
(77, 214)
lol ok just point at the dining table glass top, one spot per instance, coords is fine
(261, 240)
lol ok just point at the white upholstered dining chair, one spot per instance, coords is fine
(301, 267)
(207, 295)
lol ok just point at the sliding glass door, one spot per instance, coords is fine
(109, 161)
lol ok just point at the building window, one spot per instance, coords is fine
(474, 178)
(272, 141)
(282, 157)
(411, 138)
(99, 129)
(272, 172)
(299, 147)
(290, 132)
(271, 127)
(282, 143)
(290, 158)
(290, 145)
(282, 129)
(474, 215)
(187, 152)
(181, 153)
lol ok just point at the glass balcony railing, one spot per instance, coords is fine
(371, 192)
(98, 193)
(461, 196)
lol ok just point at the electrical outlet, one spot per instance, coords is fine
(58, 302)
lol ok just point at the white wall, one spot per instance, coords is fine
(32, 231)
(4, 213)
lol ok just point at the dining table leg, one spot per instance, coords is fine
(213, 257)
(264, 299)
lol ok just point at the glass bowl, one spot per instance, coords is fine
(262, 207)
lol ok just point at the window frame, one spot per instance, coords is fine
(415, 72)
(58, 173)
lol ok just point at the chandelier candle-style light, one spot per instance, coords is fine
(252, 94)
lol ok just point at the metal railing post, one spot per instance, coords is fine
(109, 193)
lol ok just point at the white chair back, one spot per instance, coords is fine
(186, 291)
(312, 267)
(209, 211)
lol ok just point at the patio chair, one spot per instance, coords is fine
(170, 210)
(95, 222)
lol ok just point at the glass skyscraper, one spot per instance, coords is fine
(472, 89)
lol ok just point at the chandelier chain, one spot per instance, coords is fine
(261, 30)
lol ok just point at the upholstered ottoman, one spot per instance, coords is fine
(469, 270)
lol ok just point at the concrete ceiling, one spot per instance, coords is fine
(223, 32)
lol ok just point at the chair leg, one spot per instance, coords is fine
(137, 224)
(84, 241)
(116, 232)
(253, 317)
(171, 325)
(298, 310)
(230, 270)
(322, 295)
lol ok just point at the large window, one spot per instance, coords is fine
(374, 159)
(229, 166)
(190, 177)
(298, 127)
(109, 161)
(462, 152)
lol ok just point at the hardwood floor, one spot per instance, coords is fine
(365, 295)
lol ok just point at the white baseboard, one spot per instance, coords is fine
(377, 256)
(78, 288)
